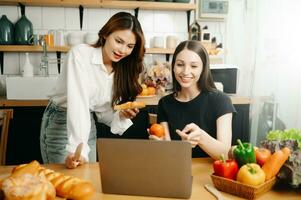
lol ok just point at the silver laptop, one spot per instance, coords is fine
(145, 167)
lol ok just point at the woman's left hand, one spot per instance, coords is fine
(129, 113)
(191, 133)
(71, 163)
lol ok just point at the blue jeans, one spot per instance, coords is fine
(53, 138)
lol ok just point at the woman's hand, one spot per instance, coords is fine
(129, 113)
(191, 133)
(72, 163)
(153, 137)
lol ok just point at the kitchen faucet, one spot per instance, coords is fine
(44, 61)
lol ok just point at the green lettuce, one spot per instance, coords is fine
(288, 134)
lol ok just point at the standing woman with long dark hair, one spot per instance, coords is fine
(93, 79)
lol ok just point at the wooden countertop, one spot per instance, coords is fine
(201, 170)
(155, 99)
(148, 100)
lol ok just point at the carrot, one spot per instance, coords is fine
(272, 166)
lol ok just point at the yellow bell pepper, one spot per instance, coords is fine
(251, 174)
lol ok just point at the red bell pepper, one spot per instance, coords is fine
(225, 168)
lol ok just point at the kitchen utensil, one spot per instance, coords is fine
(78, 151)
(214, 191)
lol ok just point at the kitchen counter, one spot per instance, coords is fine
(148, 100)
(155, 99)
(201, 170)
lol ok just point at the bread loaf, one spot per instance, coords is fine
(30, 168)
(28, 187)
(129, 105)
(68, 187)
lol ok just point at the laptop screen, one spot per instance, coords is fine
(145, 167)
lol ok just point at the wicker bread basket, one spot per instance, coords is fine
(240, 189)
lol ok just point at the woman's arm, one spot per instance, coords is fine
(166, 131)
(213, 147)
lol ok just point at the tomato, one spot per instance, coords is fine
(262, 155)
(157, 130)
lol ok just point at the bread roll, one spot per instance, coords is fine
(68, 187)
(28, 187)
(30, 168)
(130, 105)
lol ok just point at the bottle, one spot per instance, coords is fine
(27, 68)
(6, 31)
(23, 31)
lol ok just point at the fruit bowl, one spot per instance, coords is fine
(240, 189)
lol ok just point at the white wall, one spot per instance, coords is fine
(154, 23)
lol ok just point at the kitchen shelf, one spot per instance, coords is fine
(159, 51)
(145, 5)
(57, 3)
(105, 4)
(28, 48)
(214, 59)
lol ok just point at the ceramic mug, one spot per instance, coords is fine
(171, 42)
(158, 42)
(91, 38)
(74, 38)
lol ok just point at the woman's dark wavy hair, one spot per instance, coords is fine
(205, 82)
(126, 71)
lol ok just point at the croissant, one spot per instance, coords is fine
(130, 105)
(68, 187)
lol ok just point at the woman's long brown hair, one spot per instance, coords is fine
(126, 71)
(205, 82)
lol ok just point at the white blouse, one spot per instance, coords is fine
(84, 85)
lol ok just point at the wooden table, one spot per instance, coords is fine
(201, 170)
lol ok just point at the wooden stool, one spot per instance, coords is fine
(5, 116)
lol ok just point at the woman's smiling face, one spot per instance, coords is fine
(119, 44)
(188, 69)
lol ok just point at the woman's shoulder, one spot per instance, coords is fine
(81, 48)
(217, 96)
(166, 98)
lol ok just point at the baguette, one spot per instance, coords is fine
(130, 105)
(28, 187)
(68, 187)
